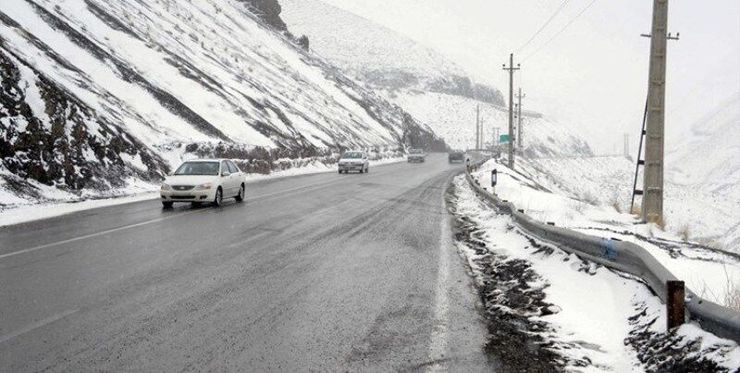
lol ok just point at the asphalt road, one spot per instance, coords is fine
(325, 272)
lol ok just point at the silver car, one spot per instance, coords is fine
(354, 161)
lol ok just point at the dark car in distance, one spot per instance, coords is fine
(456, 156)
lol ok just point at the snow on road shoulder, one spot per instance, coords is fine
(707, 272)
(17, 210)
(591, 305)
(594, 318)
(28, 213)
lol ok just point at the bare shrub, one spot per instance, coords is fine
(589, 198)
(615, 202)
(684, 232)
(661, 223)
(732, 297)
(617, 206)
(731, 292)
(578, 206)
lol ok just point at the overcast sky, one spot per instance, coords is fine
(593, 74)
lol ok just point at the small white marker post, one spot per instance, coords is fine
(494, 180)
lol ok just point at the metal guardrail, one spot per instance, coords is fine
(623, 256)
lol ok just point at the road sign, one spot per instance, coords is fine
(503, 139)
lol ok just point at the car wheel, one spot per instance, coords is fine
(167, 205)
(240, 197)
(340, 172)
(219, 199)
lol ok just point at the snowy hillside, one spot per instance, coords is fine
(420, 80)
(708, 154)
(453, 118)
(98, 95)
(378, 56)
(604, 184)
(707, 160)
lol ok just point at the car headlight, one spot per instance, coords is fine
(166, 187)
(205, 186)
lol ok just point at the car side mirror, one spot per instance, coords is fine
(225, 173)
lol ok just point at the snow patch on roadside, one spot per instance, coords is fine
(599, 319)
(18, 210)
(585, 204)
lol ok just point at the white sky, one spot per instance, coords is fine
(595, 73)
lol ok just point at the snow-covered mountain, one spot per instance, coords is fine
(706, 160)
(100, 94)
(422, 81)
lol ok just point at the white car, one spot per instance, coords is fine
(203, 180)
(416, 155)
(354, 161)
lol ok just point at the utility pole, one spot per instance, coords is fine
(477, 127)
(652, 201)
(511, 70)
(626, 145)
(519, 125)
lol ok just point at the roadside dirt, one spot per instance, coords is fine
(509, 302)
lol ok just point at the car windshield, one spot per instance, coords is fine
(352, 155)
(415, 151)
(198, 168)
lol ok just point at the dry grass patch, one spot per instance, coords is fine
(590, 198)
(617, 206)
(684, 232)
(730, 295)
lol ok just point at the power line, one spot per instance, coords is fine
(560, 32)
(544, 25)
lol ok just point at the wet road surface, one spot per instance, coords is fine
(324, 272)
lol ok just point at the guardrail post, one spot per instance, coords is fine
(675, 304)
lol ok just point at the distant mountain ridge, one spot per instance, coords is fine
(378, 56)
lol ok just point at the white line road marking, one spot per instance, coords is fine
(438, 344)
(35, 325)
(157, 220)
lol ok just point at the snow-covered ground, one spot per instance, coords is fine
(595, 315)
(586, 194)
(24, 211)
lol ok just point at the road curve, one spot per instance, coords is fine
(324, 272)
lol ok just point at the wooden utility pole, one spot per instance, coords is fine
(511, 70)
(519, 124)
(652, 201)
